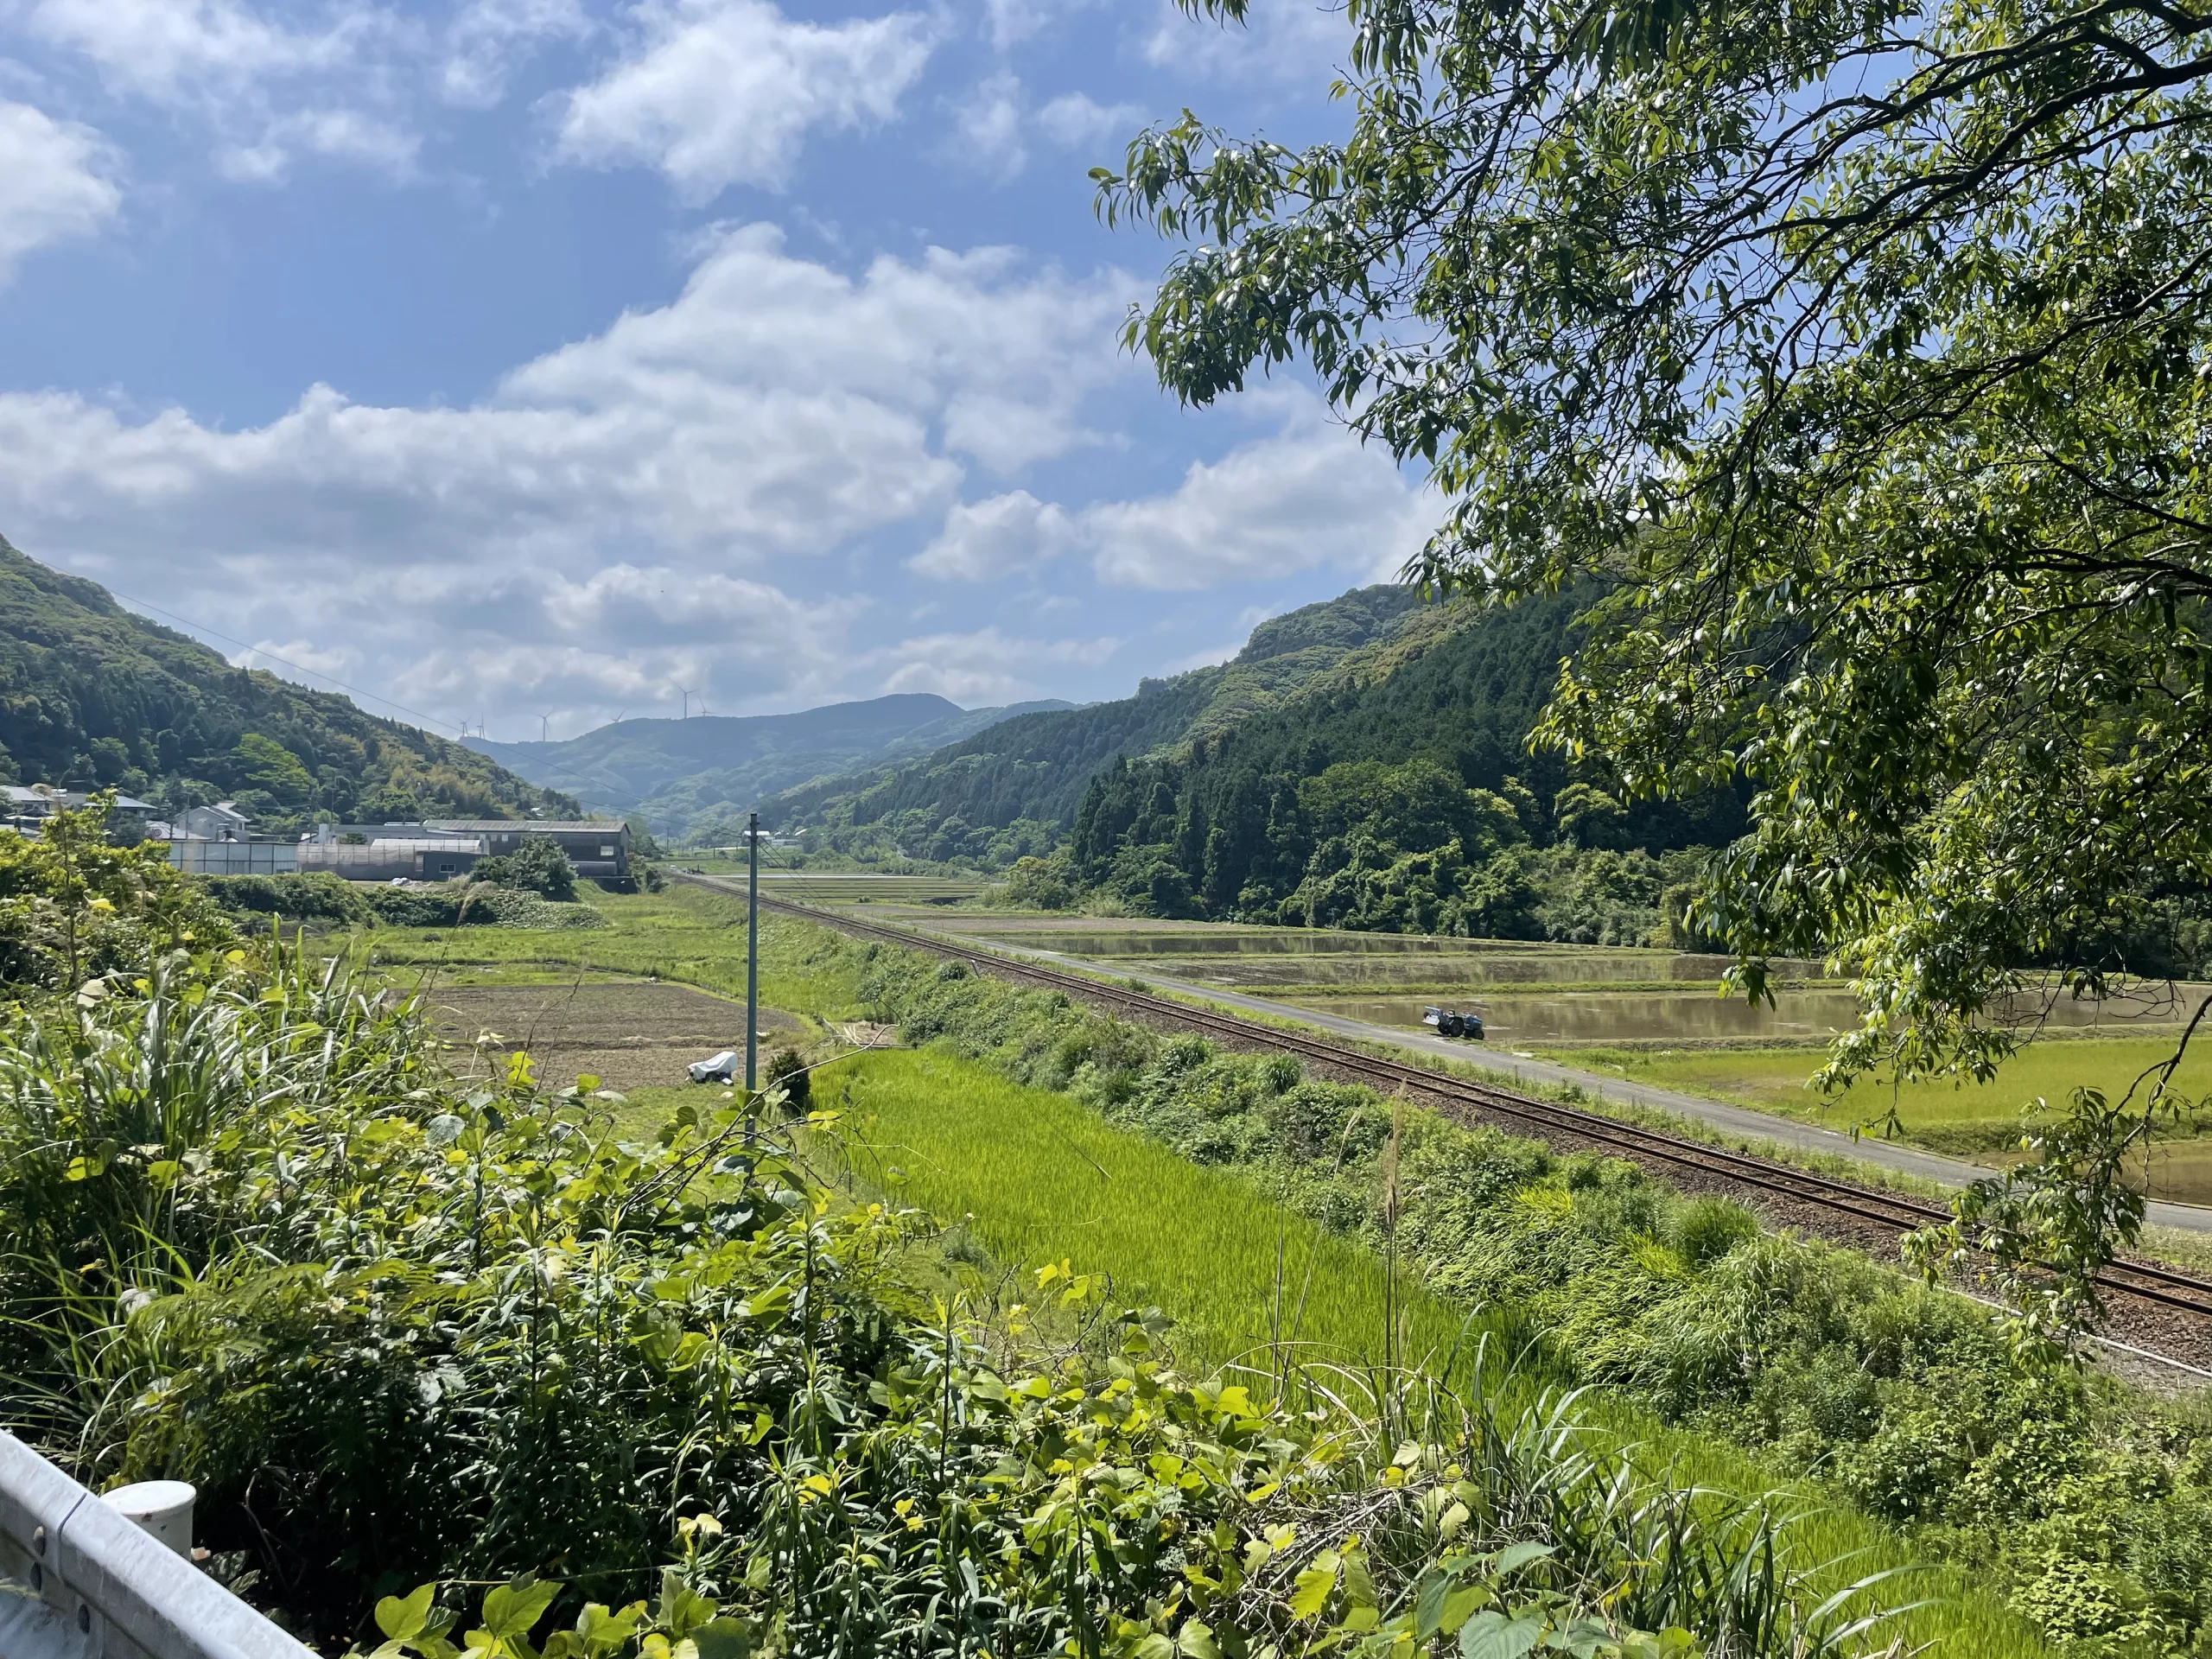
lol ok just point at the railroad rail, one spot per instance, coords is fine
(2144, 1282)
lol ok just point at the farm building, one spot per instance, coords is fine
(595, 849)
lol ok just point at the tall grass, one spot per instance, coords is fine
(684, 933)
(1039, 1177)
(404, 1327)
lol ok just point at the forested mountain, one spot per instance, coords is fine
(694, 779)
(90, 694)
(1400, 794)
(1014, 789)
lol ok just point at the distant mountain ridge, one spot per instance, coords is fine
(691, 779)
(1016, 787)
(92, 694)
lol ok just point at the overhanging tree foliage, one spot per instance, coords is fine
(1862, 348)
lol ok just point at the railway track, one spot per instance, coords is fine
(2143, 1281)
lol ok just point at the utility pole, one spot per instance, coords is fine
(751, 971)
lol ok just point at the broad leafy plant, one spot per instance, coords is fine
(1860, 352)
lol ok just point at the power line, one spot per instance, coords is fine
(258, 651)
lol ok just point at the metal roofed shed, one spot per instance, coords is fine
(402, 855)
(79, 1579)
(594, 849)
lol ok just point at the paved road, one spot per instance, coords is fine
(1735, 1120)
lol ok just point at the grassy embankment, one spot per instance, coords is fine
(1037, 1177)
(1981, 1121)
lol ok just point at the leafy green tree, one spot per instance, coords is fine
(537, 866)
(263, 764)
(1860, 350)
(74, 907)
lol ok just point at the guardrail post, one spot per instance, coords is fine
(93, 1585)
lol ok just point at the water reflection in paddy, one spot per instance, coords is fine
(1674, 1016)
(1518, 968)
(1694, 1017)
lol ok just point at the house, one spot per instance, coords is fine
(28, 805)
(596, 848)
(221, 822)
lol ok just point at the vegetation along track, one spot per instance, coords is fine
(1865, 1212)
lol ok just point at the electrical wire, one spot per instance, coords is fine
(261, 651)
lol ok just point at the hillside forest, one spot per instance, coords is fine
(93, 697)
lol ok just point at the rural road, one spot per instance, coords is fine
(1735, 1120)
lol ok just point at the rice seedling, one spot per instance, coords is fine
(1039, 1179)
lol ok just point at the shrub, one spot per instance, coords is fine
(403, 1329)
(537, 866)
(787, 1069)
(1707, 1229)
(74, 907)
(314, 896)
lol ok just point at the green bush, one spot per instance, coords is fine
(1704, 1230)
(1908, 1400)
(787, 1069)
(537, 866)
(315, 896)
(402, 1330)
(74, 907)
(455, 904)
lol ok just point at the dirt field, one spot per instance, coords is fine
(629, 1036)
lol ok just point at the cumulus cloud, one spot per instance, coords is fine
(56, 183)
(328, 81)
(985, 666)
(639, 497)
(987, 128)
(994, 538)
(1307, 497)
(487, 37)
(716, 92)
(1074, 121)
(185, 52)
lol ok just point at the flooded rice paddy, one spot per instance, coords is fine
(1530, 994)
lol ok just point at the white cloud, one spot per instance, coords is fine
(995, 537)
(337, 134)
(186, 52)
(487, 37)
(1297, 43)
(1310, 496)
(987, 128)
(1075, 122)
(985, 666)
(626, 512)
(328, 81)
(56, 183)
(716, 92)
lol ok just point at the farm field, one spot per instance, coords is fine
(1981, 1121)
(1635, 1014)
(1036, 1177)
(1032, 1176)
(630, 1034)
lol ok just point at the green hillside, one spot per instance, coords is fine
(1014, 789)
(693, 779)
(91, 694)
(1398, 792)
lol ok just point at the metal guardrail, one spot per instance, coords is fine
(80, 1580)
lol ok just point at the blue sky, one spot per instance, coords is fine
(512, 359)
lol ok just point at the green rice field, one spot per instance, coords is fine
(1037, 1177)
